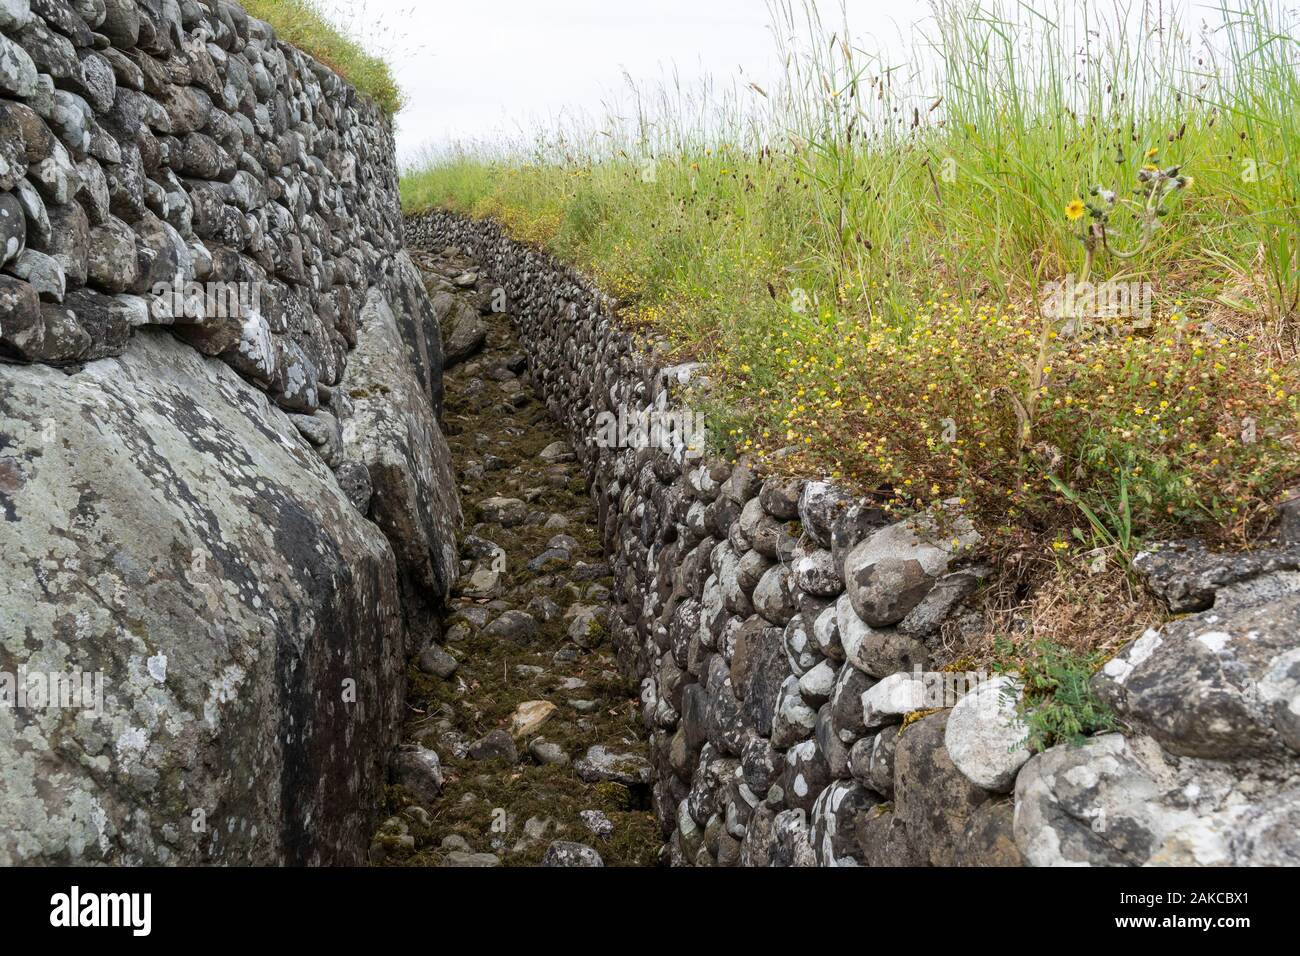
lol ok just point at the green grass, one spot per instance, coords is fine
(301, 23)
(860, 252)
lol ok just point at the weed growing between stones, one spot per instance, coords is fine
(914, 716)
(1058, 704)
(1037, 597)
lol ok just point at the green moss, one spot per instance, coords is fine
(474, 790)
(595, 632)
(492, 689)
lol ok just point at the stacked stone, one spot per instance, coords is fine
(776, 626)
(772, 622)
(142, 141)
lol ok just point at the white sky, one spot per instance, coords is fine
(474, 68)
(481, 69)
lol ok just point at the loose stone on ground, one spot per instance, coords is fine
(524, 746)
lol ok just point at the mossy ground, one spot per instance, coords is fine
(488, 685)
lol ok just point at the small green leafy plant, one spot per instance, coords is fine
(1110, 522)
(1058, 705)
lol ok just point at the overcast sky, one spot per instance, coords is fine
(477, 69)
(473, 69)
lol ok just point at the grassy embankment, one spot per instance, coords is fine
(302, 23)
(861, 252)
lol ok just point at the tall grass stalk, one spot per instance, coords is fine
(859, 246)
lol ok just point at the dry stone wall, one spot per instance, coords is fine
(226, 506)
(146, 142)
(781, 631)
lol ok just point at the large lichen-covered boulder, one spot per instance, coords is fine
(417, 325)
(162, 526)
(986, 738)
(1116, 801)
(1224, 683)
(393, 430)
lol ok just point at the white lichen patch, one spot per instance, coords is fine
(1121, 667)
(222, 691)
(1215, 641)
(157, 666)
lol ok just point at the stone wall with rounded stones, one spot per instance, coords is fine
(775, 625)
(145, 139)
(733, 615)
(141, 140)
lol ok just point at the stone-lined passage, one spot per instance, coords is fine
(523, 744)
(776, 622)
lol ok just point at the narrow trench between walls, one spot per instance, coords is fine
(587, 699)
(540, 751)
(229, 497)
(661, 658)
(595, 695)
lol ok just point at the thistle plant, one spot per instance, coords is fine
(1147, 205)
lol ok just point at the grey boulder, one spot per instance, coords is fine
(464, 331)
(932, 799)
(985, 737)
(600, 763)
(393, 432)
(1221, 684)
(892, 571)
(1125, 802)
(242, 627)
(419, 771)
